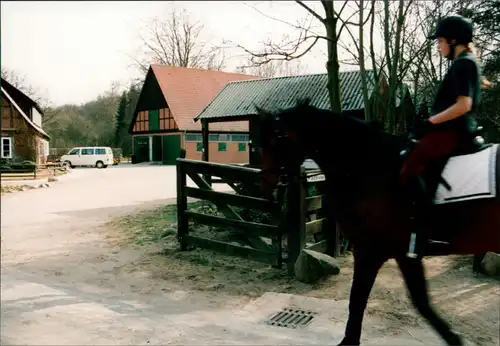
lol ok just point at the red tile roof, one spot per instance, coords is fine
(189, 90)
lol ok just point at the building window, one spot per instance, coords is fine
(199, 146)
(222, 146)
(46, 148)
(6, 148)
(193, 137)
(167, 121)
(218, 137)
(141, 123)
(239, 137)
(242, 146)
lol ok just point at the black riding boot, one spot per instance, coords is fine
(418, 200)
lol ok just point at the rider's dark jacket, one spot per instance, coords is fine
(462, 79)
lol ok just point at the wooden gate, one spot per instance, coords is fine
(298, 219)
(261, 242)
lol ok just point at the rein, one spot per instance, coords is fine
(283, 176)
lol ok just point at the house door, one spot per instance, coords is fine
(141, 148)
(171, 149)
(157, 148)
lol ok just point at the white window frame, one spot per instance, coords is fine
(10, 148)
(46, 147)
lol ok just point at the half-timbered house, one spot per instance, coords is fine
(163, 120)
(22, 135)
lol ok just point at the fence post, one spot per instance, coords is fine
(205, 140)
(281, 221)
(331, 228)
(296, 217)
(182, 221)
(336, 249)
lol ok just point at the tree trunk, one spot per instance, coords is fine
(362, 69)
(332, 65)
(393, 63)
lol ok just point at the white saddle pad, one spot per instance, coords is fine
(470, 176)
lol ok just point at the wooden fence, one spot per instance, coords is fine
(297, 221)
(36, 172)
(263, 241)
(322, 232)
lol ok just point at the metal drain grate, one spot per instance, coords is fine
(291, 318)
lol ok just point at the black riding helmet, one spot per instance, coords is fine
(451, 28)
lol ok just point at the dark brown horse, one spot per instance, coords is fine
(361, 165)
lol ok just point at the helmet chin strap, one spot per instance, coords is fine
(451, 53)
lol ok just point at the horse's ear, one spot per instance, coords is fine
(263, 114)
(304, 102)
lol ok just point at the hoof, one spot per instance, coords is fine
(346, 342)
(455, 339)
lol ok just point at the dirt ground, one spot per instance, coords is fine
(469, 302)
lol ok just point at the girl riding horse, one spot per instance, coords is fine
(453, 110)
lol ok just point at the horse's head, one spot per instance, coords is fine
(281, 147)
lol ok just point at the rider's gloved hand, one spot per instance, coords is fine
(422, 127)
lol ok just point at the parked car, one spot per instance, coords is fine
(99, 157)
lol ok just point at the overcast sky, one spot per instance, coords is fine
(73, 51)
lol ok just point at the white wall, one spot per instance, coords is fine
(36, 117)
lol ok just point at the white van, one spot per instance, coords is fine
(99, 157)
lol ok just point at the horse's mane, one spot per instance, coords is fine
(360, 130)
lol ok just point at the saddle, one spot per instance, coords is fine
(427, 186)
(433, 175)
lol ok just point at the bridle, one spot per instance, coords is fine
(282, 172)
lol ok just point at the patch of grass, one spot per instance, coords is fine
(153, 226)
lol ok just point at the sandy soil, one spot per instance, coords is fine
(469, 302)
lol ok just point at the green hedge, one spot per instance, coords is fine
(16, 166)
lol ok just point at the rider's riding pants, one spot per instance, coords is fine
(434, 145)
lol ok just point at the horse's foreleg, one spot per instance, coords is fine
(367, 263)
(413, 273)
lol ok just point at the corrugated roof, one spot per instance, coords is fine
(239, 98)
(188, 90)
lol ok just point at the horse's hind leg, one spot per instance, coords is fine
(413, 273)
(366, 266)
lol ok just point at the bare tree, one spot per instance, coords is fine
(407, 57)
(275, 68)
(19, 82)
(292, 49)
(176, 41)
(357, 48)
